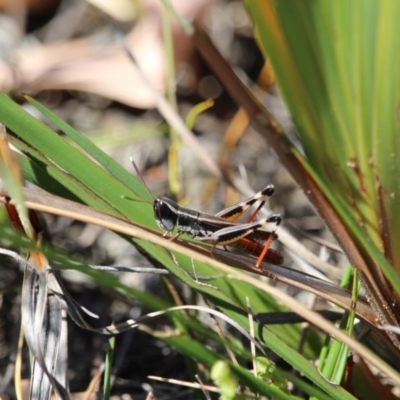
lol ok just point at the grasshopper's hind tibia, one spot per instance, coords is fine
(275, 218)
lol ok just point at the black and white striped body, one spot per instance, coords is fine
(218, 229)
(170, 215)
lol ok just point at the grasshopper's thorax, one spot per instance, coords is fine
(169, 216)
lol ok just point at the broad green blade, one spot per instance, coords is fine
(337, 64)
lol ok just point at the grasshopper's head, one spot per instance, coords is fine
(165, 213)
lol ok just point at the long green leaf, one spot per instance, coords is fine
(338, 66)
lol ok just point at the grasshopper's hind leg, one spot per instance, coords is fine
(235, 211)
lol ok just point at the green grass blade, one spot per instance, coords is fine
(90, 148)
(338, 66)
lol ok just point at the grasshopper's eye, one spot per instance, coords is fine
(165, 213)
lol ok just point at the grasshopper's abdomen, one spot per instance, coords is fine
(252, 247)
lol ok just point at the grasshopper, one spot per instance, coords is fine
(220, 229)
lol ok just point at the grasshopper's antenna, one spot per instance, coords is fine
(141, 178)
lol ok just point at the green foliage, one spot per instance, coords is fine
(337, 64)
(338, 67)
(53, 162)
